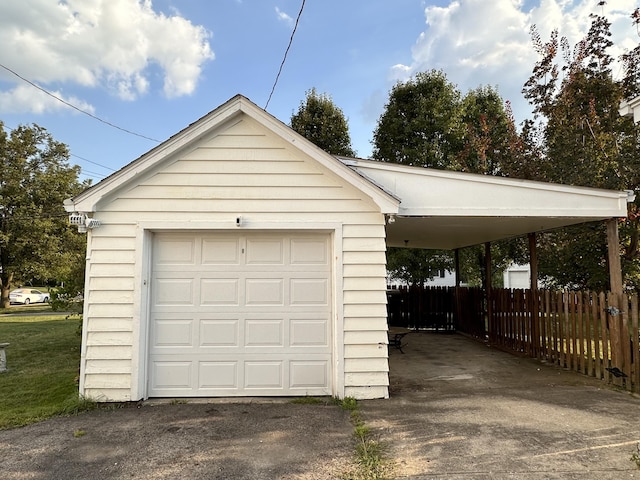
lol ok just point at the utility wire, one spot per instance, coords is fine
(77, 108)
(286, 52)
(78, 156)
(94, 163)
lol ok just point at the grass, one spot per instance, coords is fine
(42, 360)
(371, 462)
(370, 452)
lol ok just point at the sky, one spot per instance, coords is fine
(128, 74)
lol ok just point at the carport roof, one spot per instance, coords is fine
(442, 209)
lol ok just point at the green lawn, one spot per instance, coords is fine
(42, 361)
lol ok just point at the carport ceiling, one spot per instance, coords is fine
(441, 209)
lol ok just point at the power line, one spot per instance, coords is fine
(286, 52)
(90, 161)
(77, 108)
(78, 156)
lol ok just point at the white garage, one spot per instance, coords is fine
(238, 259)
(234, 259)
(240, 314)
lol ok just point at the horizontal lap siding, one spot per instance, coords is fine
(365, 312)
(240, 171)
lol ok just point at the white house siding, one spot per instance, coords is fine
(244, 170)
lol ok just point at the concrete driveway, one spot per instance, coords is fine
(458, 410)
(461, 410)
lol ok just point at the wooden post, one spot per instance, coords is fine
(614, 300)
(613, 245)
(534, 305)
(458, 304)
(487, 285)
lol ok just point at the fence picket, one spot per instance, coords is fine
(595, 325)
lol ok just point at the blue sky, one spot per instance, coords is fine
(154, 67)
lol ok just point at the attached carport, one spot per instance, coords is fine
(441, 209)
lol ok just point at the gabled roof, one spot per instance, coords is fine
(443, 209)
(88, 200)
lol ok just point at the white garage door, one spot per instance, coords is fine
(240, 314)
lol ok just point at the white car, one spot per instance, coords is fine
(26, 296)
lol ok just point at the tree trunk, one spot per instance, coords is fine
(5, 288)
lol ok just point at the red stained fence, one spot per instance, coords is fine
(595, 334)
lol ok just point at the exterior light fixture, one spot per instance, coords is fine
(83, 222)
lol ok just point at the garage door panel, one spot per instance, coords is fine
(251, 315)
(309, 332)
(223, 251)
(264, 291)
(265, 251)
(219, 333)
(309, 291)
(172, 375)
(219, 291)
(172, 333)
(175, 251)
(264, 332)
(308, 251)
(309, 373)
(260, 374)
(174, 291)
(218, 375)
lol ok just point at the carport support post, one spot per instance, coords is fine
(534, 306)
(456, 257)
(487, 287)
(615, 283)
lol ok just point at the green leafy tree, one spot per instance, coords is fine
(584, 141)
(486, 137)
(416, 266)
(35, 238)
(320, 121)
(428, 123)
(421, 124)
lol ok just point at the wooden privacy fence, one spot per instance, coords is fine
(595, 334)
(421, 307)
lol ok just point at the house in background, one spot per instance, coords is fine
(517, 276)
(631, 108)
(238, 259)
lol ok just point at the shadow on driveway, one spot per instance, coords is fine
(461, 410)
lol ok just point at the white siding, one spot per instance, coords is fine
(240, 170)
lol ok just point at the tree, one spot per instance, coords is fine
(584, 141)
(415, 266)
(420, 125)
(428, 123)
(487, 131)
(324, 124)
(35, 239)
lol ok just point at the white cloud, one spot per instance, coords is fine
(480, 42)
(282, 16)
(27, 98)
(114, 44)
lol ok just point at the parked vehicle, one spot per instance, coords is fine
(25, 296)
